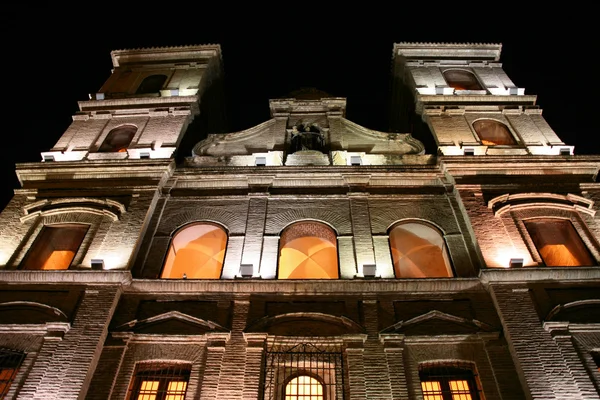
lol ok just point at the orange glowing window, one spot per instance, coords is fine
(304, 388)
(419, 251)
(449, 383)
(118, 139)
(461, 79)
(308, 250)
(151, 84)
(558, 243)
(197, 252)
(55, 247)
(493, 133)
(10, 361)
(159, 381)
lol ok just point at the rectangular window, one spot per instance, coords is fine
(558, 243)
(55, 247)
(10, 361)
(159, 381)
(449, 382)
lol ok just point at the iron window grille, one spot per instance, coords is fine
(159, 381)
(449, 381)
(304, 371)
(10, 361)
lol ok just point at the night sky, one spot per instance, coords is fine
(54, 58)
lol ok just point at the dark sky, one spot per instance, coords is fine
(53, 58)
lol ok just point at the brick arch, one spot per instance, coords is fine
(385, 218)
(228, 220)
(339, 223)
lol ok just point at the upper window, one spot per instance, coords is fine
(55, 247)
(159, 381)
(461, 79)
(196, 252)
(151, 84)
(419, 251)
(558, 243)
(308, 250)
(493, 133)
(118, 139)
(443, 382)
(10, 361)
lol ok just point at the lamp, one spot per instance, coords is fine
(246, 270)
(97, 264)
(516, 263)
(369, 270)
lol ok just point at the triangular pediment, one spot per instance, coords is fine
(172, 323)
(438, 323)
(305, 324)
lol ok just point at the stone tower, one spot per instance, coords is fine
(149, 255)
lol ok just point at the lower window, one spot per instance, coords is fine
(159, 381)
(10, 361)
(449, 382)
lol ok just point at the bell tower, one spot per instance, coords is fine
(467, 102)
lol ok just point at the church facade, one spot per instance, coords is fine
(147, 256)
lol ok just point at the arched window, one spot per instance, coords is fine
(493, 133)
(196, 252)
(151, 84)
(55, 247)
(461, 79)
(118, 139)
(308, 250)
(558, 243)
(419, 251)
(304, 387)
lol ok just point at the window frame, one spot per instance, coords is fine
(37, 237)
(429, 224)
(152, 93)
(444, 372)
(114, 131)
(189, 225)
(181, 370)
(483, 89)
(337, 248)
(513, 135)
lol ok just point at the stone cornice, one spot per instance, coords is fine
(542, 274)
(427, 50)
(20, 277)
(189, 53)
(138, 103)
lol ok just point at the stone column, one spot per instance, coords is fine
(541, 365)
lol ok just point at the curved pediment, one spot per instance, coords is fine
(357, 138)
(259, 138)
(583, 311)
(305, 324)
(172, 323)
(26, 312)
(438, 323)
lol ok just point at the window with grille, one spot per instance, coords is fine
(159, 381)
(304, 372)
(449, 382)
(10, 361)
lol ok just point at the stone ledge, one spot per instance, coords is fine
(538, 274)
(61, 277)
(306, 287)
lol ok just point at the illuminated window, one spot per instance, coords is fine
(419, 251)
(308, 250)
(196, 252)
(303, 371)
(159, 381)
(461, 79)
(558, 243)
(55, 247)
(442, 382)
(118, 139)
(10, 361)
(151, 84)
(493, 133)
(304, 387)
